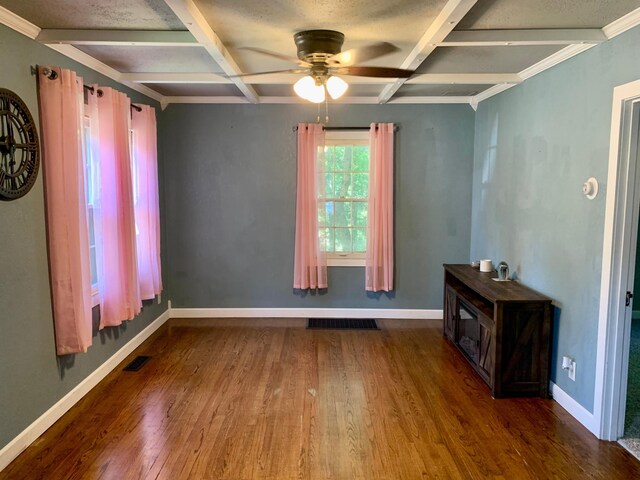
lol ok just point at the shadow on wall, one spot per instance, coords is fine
(555, 334)
(66, 362)
(323, 291)
(302, 293)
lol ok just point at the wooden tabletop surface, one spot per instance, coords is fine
(483, 284)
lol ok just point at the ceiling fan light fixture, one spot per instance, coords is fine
(336, 87)
(308, 89)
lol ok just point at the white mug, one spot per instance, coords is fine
(486, 266)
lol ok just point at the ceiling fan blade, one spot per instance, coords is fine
(381, 72)
(292, 70)
(281, 56)
(362, 54)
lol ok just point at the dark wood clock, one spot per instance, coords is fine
(19, 147)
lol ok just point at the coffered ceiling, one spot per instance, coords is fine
(462, 51)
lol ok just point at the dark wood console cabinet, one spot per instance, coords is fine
(502, 328)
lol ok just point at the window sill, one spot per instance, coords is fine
(345, 261)
(95, 297)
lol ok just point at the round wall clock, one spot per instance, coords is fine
(19, 147)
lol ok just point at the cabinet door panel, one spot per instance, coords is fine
(450, 309)
(486, 348)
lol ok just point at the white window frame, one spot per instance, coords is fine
(86, 124)
(351, 137)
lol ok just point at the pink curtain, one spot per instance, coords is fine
(118, 282)
(379, 260)
(147, 211)
(61, 111)
(310, 263)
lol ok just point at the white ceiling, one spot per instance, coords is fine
(185, 50)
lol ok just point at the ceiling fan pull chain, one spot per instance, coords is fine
(326, 107)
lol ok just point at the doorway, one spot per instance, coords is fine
(618, 268)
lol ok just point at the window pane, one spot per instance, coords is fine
(343, 214)
(360, 240)
(92, 235)
(360, 158)
(322, 215)
(343, 158)
(326, 239)
(328, 158)
(360, 214)
(94, 266)
(360, 185)
(343, 240)
(340, 153)
(329, 213)
(329, 185)
(343, 185)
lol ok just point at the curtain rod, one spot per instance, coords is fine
(52, 75)
(395, 128)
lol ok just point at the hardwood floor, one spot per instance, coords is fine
(242, 399)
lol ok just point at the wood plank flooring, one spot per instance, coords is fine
(266, 399)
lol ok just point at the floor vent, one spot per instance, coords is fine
(137, 363)
(343, 323)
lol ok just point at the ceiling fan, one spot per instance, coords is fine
(321, 59)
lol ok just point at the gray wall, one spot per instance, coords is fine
(535, 145)
(230, 194)
(32, 378)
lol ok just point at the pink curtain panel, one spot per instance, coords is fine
(379, 259)
(310, 263)
(61, 101)
(147, 211)
(119, 288)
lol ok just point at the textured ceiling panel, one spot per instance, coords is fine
(154, 59)
(499, 14)
(440, 90)
(367, 90)
(512, 59)
(197, 89)
(271, 24)
(104, 14)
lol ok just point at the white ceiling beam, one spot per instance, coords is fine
(463, 78)
(192, 17)
(175, 77)
(344, 100)
(129, 38)
(442, 25)
(493, 38)
(288, 78)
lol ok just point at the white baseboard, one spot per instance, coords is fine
(305, 313)
(584, 416)
(37, 428)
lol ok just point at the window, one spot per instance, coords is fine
(91, 191)
(342, 215)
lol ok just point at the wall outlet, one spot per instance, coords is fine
(569, 364)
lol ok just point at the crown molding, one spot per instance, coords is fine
(19, 24)
(615, 28)
(94, 64)
(565, 54)
(551, 61)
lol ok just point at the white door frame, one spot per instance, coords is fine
(620, 234)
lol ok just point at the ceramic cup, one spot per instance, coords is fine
(486, 266)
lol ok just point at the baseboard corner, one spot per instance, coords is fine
(15, 447)
(584, 416)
